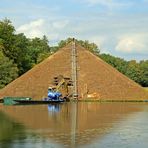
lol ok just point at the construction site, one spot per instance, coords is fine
(79, 75)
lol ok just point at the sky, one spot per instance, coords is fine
(118, 27)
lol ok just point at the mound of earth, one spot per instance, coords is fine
(96, 78)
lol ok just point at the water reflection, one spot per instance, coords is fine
(53, 107)
(73, 123)
(9, 131)
(67, 124)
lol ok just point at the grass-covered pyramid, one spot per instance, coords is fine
(95, 78)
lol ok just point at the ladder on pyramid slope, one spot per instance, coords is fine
(74, 70)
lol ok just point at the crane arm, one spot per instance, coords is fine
(60, 84)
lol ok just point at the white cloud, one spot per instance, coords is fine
(33, 29)
(60, 24)
(133, 44)
(99, 40)
(51, 28)
(108, 3)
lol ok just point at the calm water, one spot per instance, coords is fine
(69, 125)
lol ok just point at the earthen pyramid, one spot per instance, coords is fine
(96, 79)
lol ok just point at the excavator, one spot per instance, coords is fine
(60, 90)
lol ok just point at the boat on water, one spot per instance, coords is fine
(52, 98)
(54, 95)
(27, 100)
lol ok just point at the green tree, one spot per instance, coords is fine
(37, 47)
(86, 44)
(118, 63)
(144, 73)
(134, 71)
(43, 56)
(14, 46)
(21, 54)
(90, 46)
(53, 49)
(8, 70)
(24, 52)
(7, 36)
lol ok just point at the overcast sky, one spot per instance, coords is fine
(118, 27)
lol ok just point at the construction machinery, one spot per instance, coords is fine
(60, 89)
(58, 92)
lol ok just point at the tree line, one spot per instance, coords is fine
(137, 71)
(18, 54)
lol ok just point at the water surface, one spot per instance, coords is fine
(81, 125)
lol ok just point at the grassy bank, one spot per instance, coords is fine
(108, 100)
(146, 88)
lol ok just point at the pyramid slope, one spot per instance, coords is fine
(94, 76)
(35, 82)
(103, 79)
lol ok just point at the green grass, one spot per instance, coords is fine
(146, 88)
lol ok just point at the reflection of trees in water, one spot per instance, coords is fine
(9, 130)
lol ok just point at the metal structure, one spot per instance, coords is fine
(74, 70)
(62, 84)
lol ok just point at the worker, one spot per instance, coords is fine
(53, 95)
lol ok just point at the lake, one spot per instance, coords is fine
(70, 125)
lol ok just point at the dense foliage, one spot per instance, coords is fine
(8, 70)
(18, 54)
(22, 51)
(137, 71)
(86, 44)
